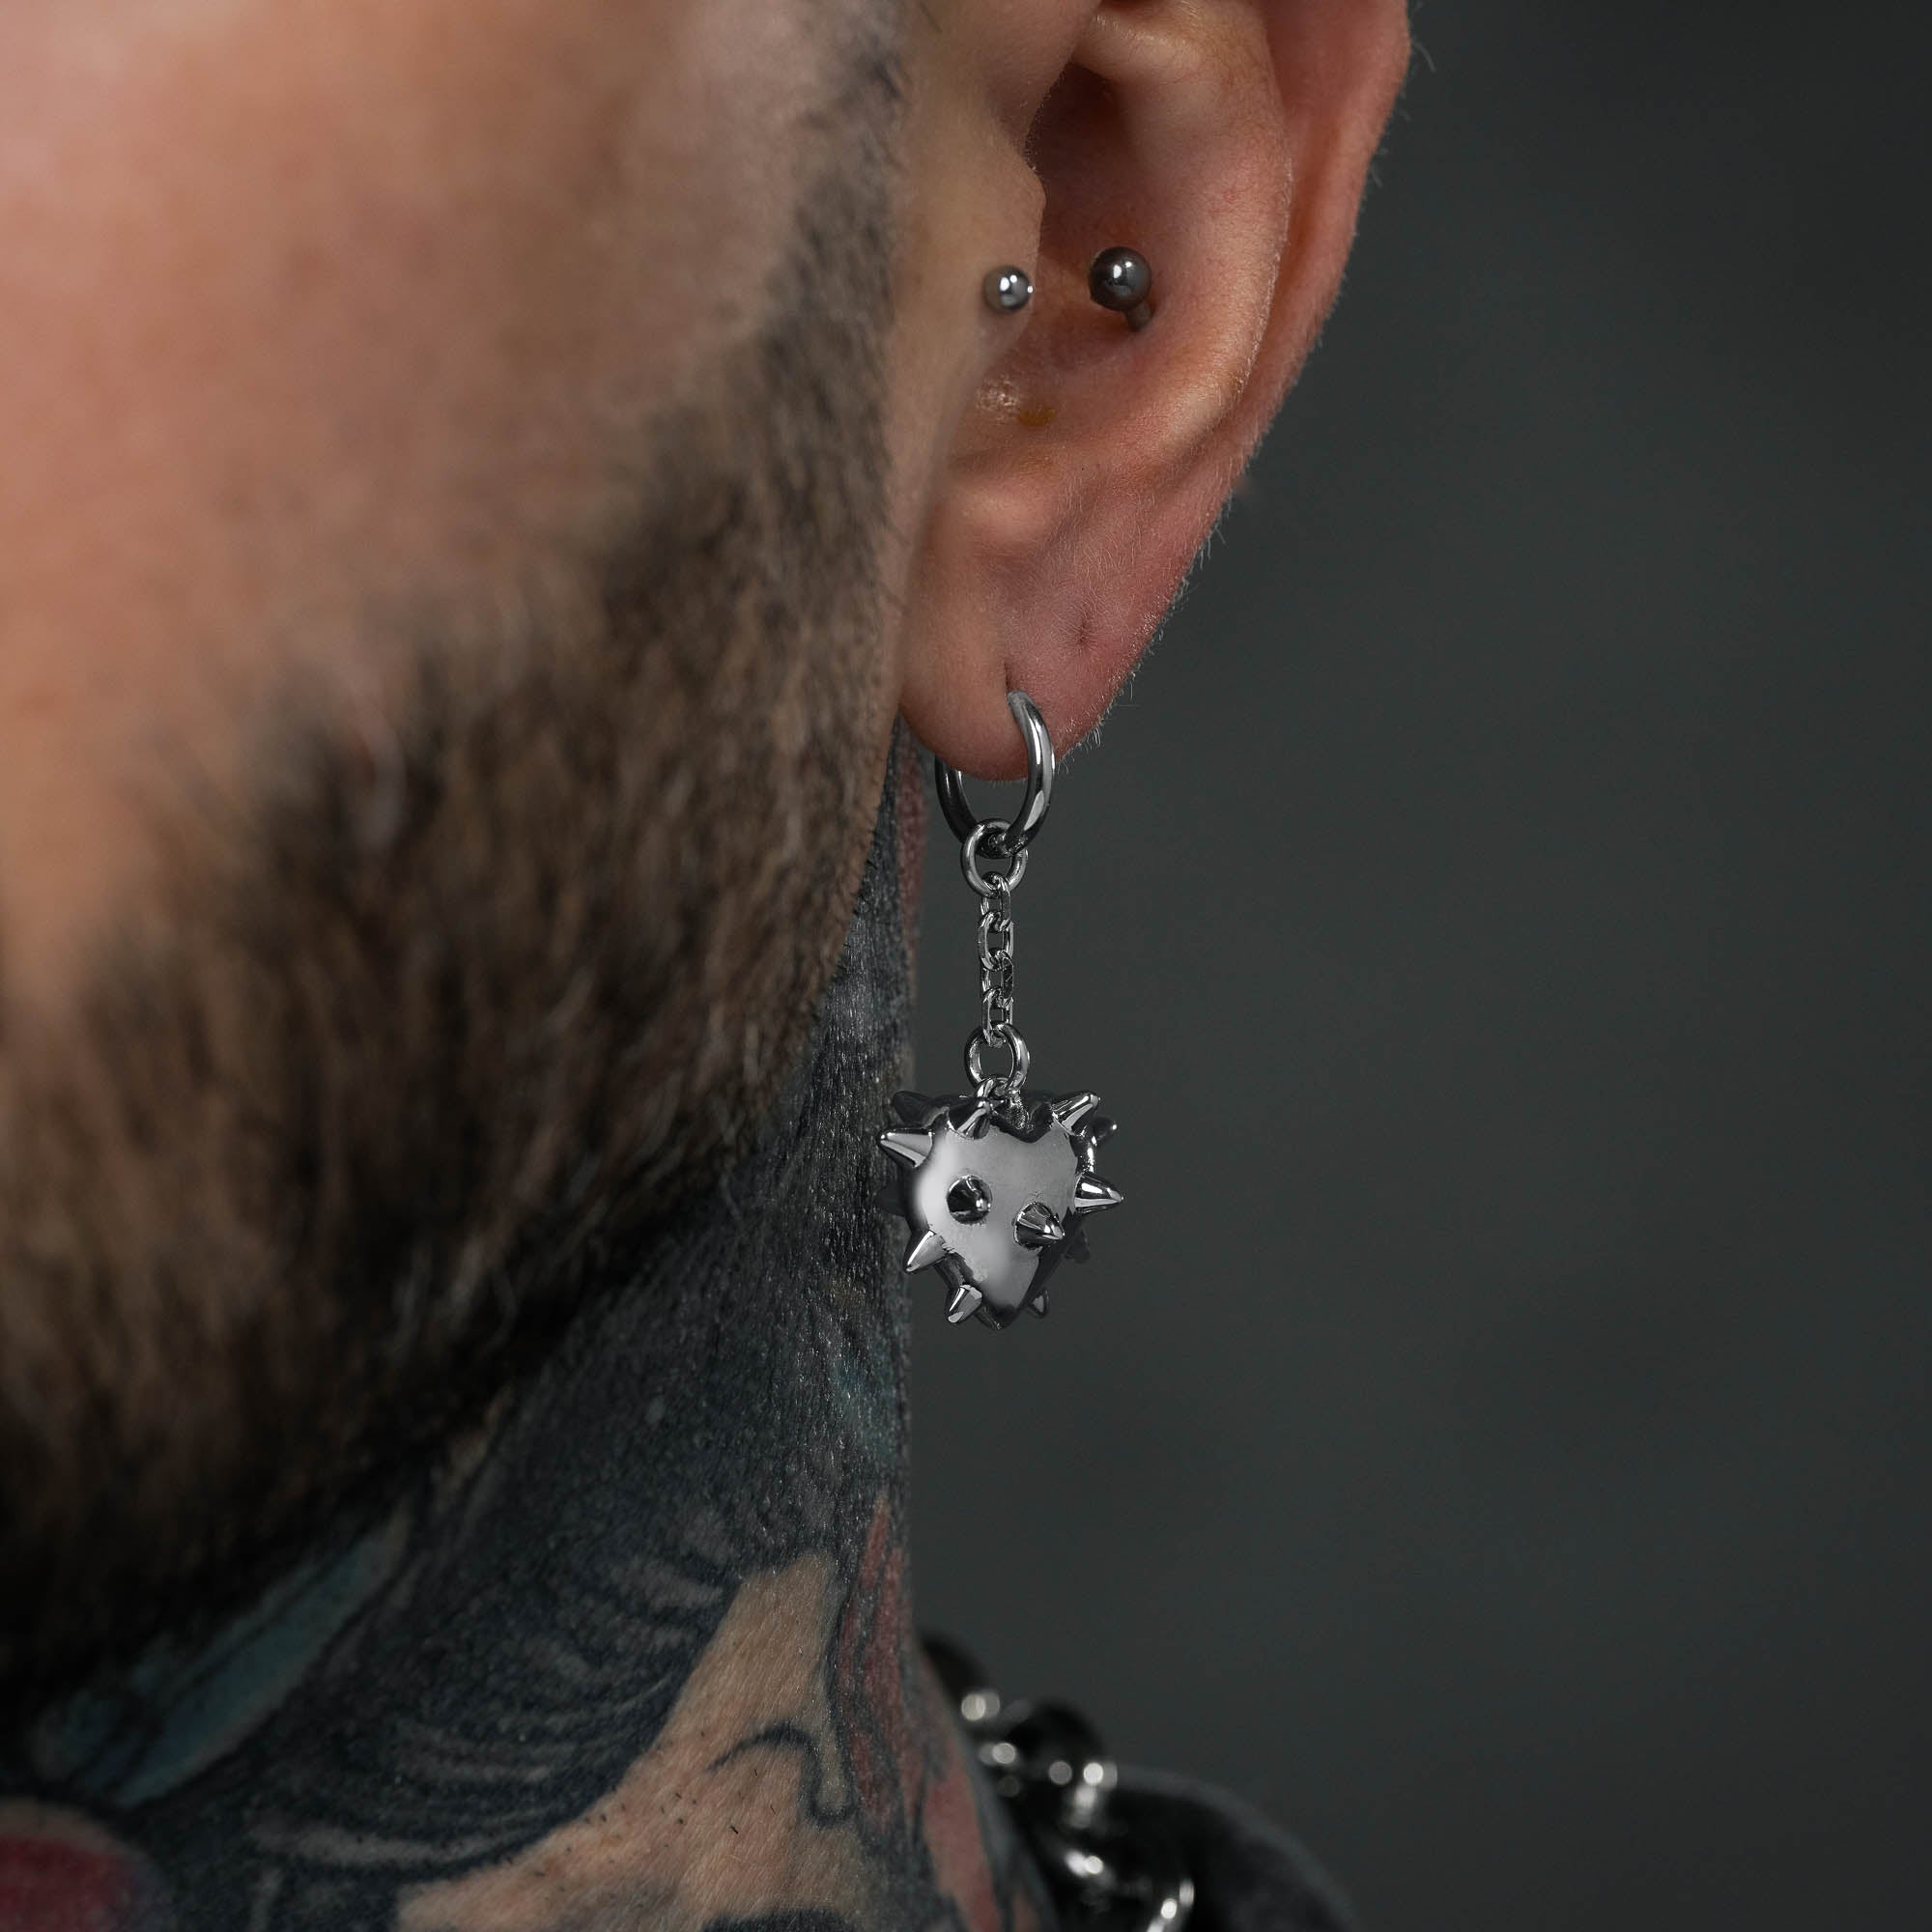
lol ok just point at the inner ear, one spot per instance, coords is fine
(1078, 374)
(1080, 146)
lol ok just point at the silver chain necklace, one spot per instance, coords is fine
(1058, 1785)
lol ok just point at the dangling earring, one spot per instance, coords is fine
(995, 1190)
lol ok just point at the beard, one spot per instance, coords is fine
(411, 1052)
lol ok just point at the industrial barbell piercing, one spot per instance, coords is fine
(1006, 289)
(1121, 279)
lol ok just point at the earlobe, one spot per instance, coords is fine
(1225, 143)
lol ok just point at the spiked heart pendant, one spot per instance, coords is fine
(996, 1197)
(995, 1189)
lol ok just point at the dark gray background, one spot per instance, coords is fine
(1494, 1435)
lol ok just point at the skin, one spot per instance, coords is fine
(635, 1649)
(482, 481)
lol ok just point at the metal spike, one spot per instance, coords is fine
(1091, 1194)
(1038, 1304)
(1070, 1109)
(1036, 1224)
(1097, 1128)
(925, 1249)
(965, 1301)
(905, 1147)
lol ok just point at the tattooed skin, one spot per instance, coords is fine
(638, 1653)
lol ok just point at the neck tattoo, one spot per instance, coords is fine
(638, 1653)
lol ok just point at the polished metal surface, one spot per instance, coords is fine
(1038, 1226)
(1018, 833)
(994, 1188)
(984, 844)
(1006, 290)
(997, 942)
(984, 1039)
(1122, 279)
(1091, 1194)
(1050, 1770)
(992, 1197)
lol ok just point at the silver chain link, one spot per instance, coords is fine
(996, 959)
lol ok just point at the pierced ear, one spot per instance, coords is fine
(1227, 141)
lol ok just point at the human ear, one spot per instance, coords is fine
(1226, 141)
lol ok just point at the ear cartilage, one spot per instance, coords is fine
(1122, 280)
(1006, 289)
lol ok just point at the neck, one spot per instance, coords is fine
(638, 1653)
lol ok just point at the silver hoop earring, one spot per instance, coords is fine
(995, 1190)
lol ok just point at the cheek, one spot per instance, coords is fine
(356, 275)
(313, 311)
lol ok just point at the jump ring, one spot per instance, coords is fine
(988, 831)
(1018, 833)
